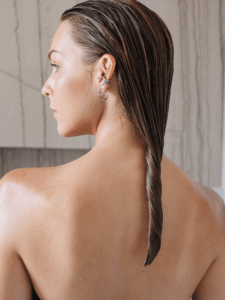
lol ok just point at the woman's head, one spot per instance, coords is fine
(139, 54)
(141, 45)
(73, 86)
(143, 50)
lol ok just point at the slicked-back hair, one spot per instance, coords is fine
(142, 46)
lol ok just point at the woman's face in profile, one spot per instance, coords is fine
(72, 94)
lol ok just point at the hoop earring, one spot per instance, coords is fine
(100, 92)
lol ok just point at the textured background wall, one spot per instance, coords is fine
(195, 124)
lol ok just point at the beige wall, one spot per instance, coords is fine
(195, 124)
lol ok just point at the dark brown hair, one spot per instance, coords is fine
(142, 46)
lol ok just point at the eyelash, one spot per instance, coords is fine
(53, 65)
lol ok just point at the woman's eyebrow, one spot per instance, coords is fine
(51, 51)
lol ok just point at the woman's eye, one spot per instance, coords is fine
(53, 65)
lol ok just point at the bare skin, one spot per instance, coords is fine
(79, 231)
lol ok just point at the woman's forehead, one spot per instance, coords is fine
(63, 43)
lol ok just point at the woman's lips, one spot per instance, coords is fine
(54, 111)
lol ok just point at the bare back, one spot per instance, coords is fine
(85, 225)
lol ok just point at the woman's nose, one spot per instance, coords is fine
(46, 90)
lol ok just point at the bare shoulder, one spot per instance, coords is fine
(19, 190)
(208, 205)
(25, 175)
(10, 188)
(211, 215)
(14, 280)
(22, 194)
(212, 284)
(22, 205)
(216, 211)
(217, 204)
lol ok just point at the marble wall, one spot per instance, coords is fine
(195, 124)
(25, 117)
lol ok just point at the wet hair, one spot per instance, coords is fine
(142, 46)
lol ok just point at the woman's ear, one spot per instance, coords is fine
(106, 66)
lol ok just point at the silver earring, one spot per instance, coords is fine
(101, 93)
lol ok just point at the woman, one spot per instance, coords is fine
(123, 221)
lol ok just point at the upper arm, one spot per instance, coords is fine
(212, 285)
(14, 280)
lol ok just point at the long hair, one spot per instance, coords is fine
(142, 46)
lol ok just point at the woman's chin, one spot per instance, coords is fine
(65, 133)
(62, 131)
(68, 130)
